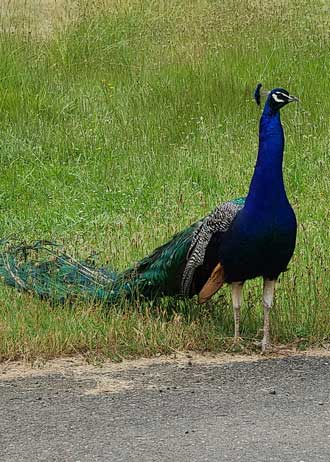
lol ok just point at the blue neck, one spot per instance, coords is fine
(267, 187)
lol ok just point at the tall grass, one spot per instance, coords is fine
(124, 122)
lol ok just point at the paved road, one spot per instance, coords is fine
(255, 411)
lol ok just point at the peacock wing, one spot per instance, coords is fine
(213, 284)
(217, 221)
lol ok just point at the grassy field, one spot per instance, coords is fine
(124, 121)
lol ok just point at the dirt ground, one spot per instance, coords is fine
(102, 372)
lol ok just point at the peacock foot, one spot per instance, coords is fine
(237, 340)
(266, 346)
(237, 344)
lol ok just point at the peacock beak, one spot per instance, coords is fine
(292, 98)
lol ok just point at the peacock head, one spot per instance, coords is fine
(276, 98)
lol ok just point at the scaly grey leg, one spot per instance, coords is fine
(268, 297)
(236, 295)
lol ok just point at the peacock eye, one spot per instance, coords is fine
(278, 97)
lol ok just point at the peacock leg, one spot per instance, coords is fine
(268, 296)
(236, 295)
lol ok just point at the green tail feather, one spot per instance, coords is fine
(44, 269)
(160, 273)
(47, 271)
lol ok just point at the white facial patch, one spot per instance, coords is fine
(277, 97)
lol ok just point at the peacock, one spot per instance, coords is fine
(239, 240)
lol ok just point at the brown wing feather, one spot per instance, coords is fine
(213, 284)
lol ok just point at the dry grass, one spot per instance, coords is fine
(38, 18)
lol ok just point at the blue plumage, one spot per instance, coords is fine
(262, 237)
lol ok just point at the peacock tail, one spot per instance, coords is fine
(46, 270)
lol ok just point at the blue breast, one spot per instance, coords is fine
(258, 245)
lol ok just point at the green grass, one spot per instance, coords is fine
(133, 120)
